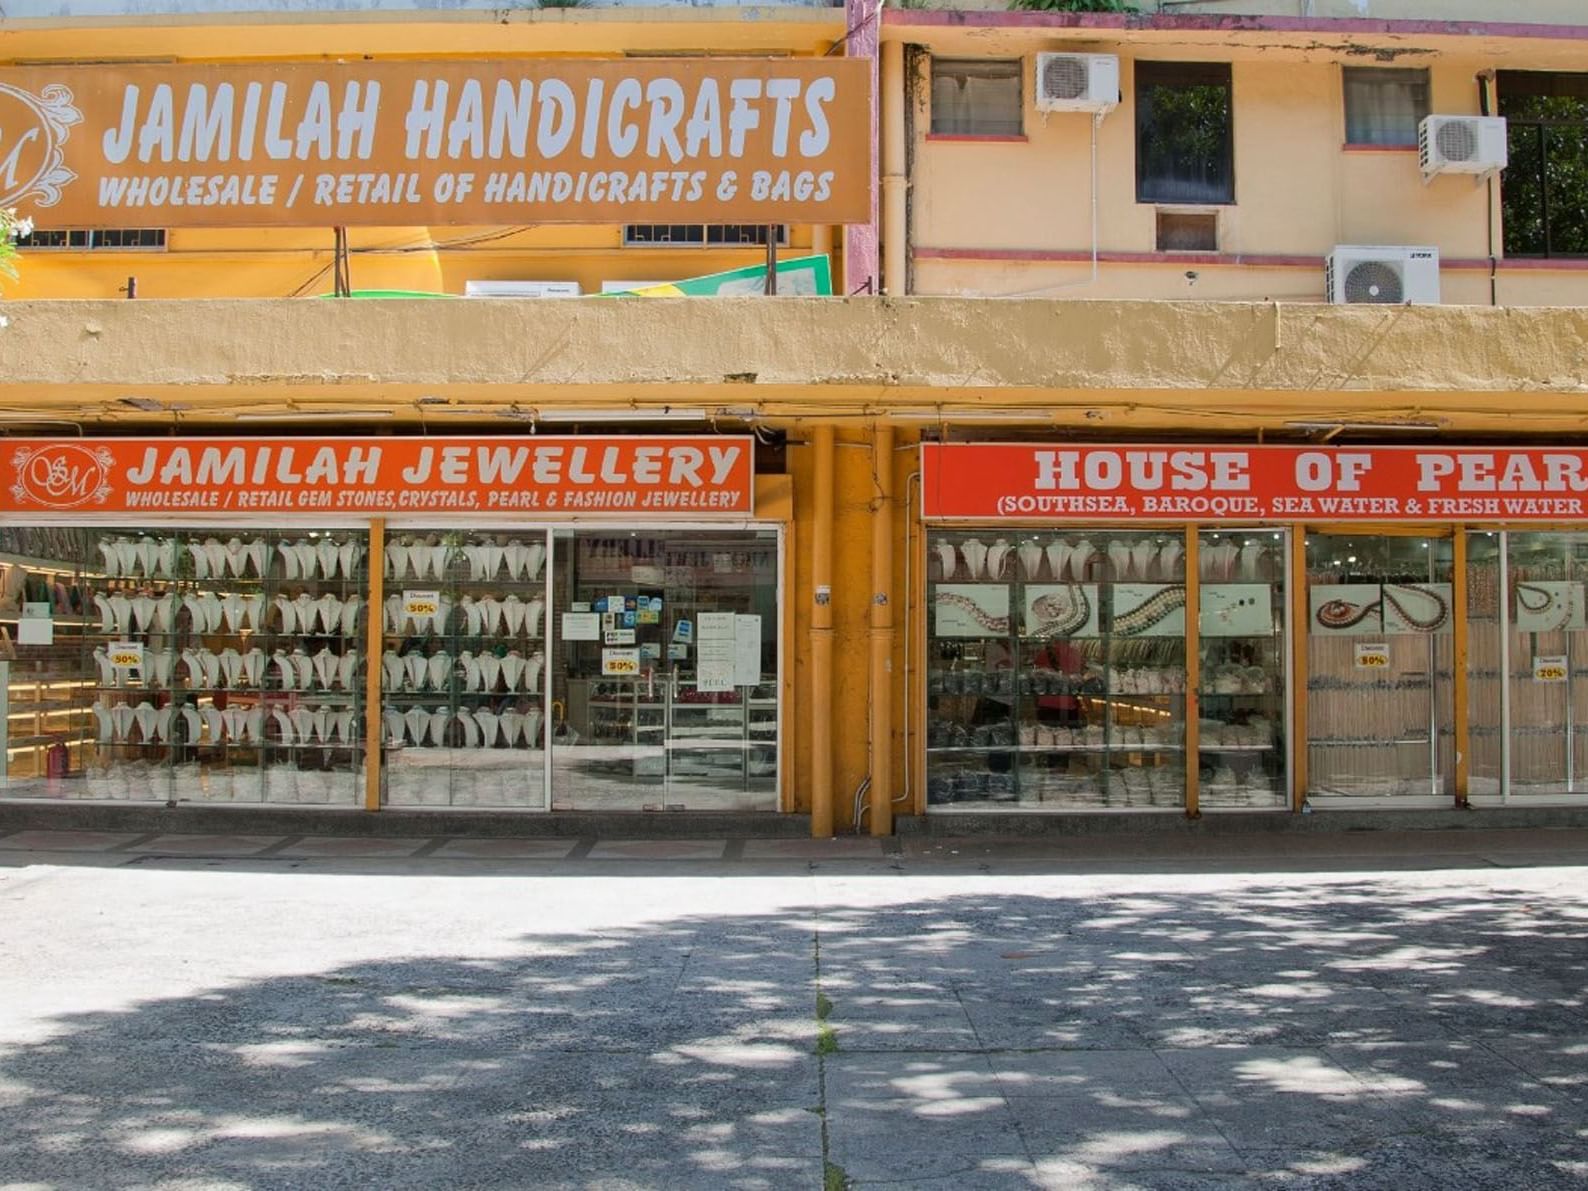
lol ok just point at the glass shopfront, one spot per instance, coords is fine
(1380, 709)
(1055, 670)
(478, 660)
(229, 665)
(213, 664)
(1528, 661)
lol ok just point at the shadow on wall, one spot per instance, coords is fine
(1350, 1033)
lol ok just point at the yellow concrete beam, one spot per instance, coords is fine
(740, 346)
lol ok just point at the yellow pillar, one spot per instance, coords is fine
(374, 646)
(1300, 625)
(895, 182)
(882, 631)
(821, 671)
(1193, 673)
(1459, 648)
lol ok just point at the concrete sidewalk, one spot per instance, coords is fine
(1389, 1009)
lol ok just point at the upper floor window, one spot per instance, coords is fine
(1185, 134)
(1544, 190)
(77, 239)
(1384, 106)
(977, 97)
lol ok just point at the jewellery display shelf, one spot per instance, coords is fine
(228, 667)
(720, 736)
(1381, 730)
(44, 693)
(1242, 699)
(1056, 672)
(463, 668)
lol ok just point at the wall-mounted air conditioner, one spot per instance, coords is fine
(1076, 83)
(521, 289)
(1461, 144)
(1394, 276)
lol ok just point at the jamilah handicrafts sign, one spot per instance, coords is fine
(708, 140)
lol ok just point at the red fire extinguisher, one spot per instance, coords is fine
(57, 761)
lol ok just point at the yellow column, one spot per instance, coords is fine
(374, 646)
(821, 671)
(1300, 623)
(822, 243)
(882, 631)
(1193, 673)
(1458, 661)
(895, 183)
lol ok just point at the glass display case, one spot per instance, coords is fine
(1056, 670)
(1243, 697)
(195, 665)
(1379, 690)
(463, 668)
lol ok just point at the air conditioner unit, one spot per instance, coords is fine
(1355, 274)
(1461, 144)
(1077, 83)
(521, 289)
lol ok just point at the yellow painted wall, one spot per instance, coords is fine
(1298, 192)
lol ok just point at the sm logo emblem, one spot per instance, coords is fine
(61, 476)
(33, 131)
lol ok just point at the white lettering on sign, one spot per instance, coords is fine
(1143, 471)
(1485, 472)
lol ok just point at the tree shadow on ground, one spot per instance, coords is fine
(1349, 1033)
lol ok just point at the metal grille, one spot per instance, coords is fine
(1374, 281)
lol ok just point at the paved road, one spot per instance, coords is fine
(1371, 1010)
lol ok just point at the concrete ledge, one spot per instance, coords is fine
(286, 820)
(1017, 825)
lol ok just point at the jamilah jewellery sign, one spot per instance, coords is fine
(500, 142)
(627, 475)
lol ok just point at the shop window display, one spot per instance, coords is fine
(463, 668)
(1528, 663)
(665, 670)
(1379, 691)
(186, 665)
(1243, 699)
(1056, 670)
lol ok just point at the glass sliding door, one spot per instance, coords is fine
(665, 670)
(1379, 690)
(1242, 731)
(1529, 663)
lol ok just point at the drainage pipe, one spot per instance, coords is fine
(821, 636)
(882, 630)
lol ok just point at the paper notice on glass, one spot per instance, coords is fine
(747, 650)
(620, 663)
(37, 626)
(581, 626)
(422, 604)
(715, 651)
(1372, 655)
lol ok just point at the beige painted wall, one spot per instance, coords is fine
(1298, 192)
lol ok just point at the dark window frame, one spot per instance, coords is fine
(1385, 74)
(1154, 75)
(1017, 70)
(1514, 88)
(700, 235)
(82, 239)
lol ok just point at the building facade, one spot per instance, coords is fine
(1183, 437)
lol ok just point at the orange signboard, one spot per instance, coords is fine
(541, 475)
(703, 140)
(1069, 483)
